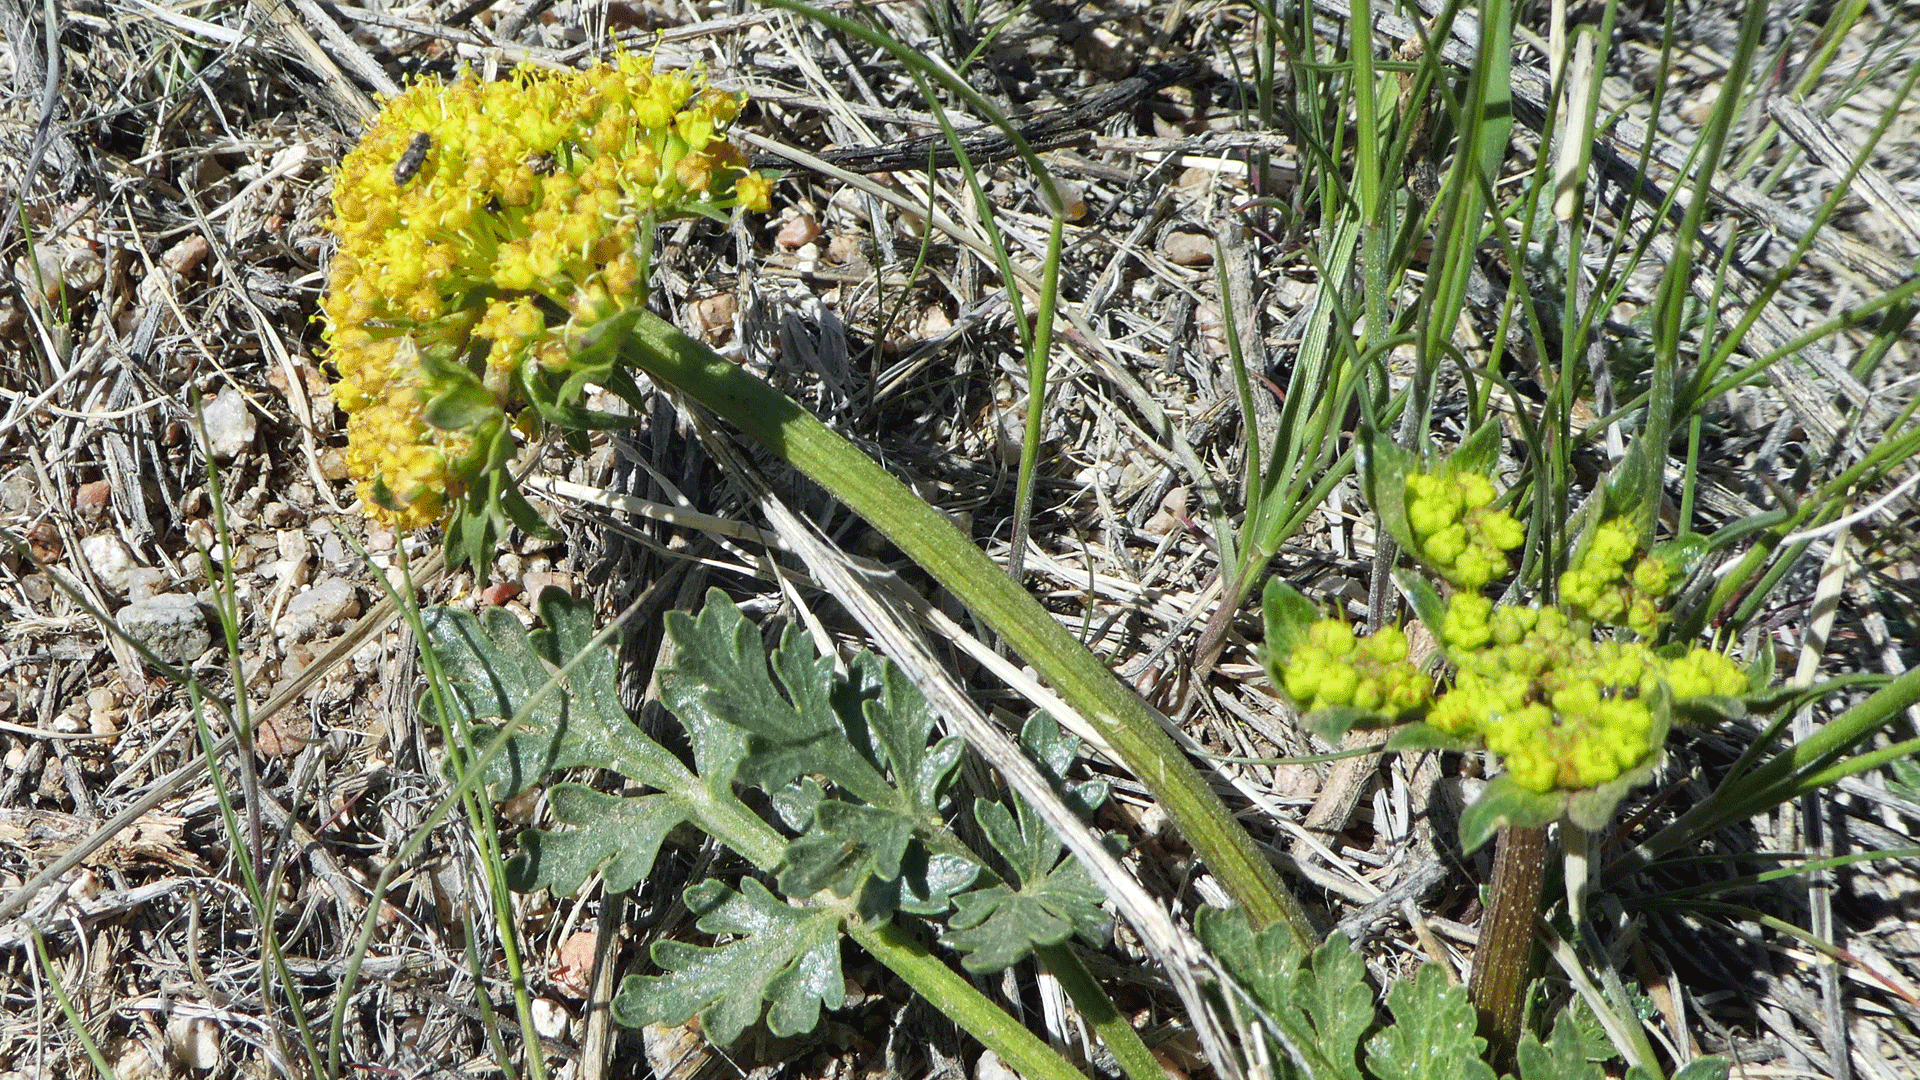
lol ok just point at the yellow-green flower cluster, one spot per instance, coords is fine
(1615, 583)
(1457, 531)
(483, 227)
(1562, 710)
(1334, 669)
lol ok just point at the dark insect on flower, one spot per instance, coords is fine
(410, 162)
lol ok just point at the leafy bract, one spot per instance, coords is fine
(1287, 614)
(1505, 803)
(787, 957)
(1479, 452)
(1432, 1035)
(1384, 468)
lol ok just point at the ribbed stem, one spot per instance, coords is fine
(1498, 985)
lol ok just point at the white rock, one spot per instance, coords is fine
(331, 601)
(230, 425)
(990, 1067)
(550, 1018)
(194, 1042)
(110, 559)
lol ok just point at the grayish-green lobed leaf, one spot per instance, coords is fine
(998, 926)
(1564, 1057)
(1334, 994)
(925, 886)
(720, 675)
(849, 842)
(1700, 1068)
(618, 836)
(868, 734)
(1432, 1036)
(496, 667)
(1054, 751)
(783, 956)
(796, 803)
(1321, 1009)
(901, 722)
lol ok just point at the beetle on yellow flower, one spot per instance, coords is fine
(463, 280)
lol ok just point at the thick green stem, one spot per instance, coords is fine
(932, 541)
(1498, 986)
(954, 996)
(1136, 1061)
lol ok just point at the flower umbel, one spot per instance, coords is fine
(1333, 669)
(1456, 529)
(1566, 710)
(1615, 583)
(483, 228)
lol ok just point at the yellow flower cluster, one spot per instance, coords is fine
(1616, 584)
(1565, 711)
(1457, 531)
(483, 226)
(1562, 710)
(1334, 669)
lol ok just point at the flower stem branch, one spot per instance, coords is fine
(954, 996)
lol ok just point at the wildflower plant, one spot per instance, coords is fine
(484, 227)
(1574, 697)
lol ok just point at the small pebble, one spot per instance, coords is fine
(799, 231)
(500, 592)
(1184, 248)
(171, 625)
(230, 424)
(93, 499)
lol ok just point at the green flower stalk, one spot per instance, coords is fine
(483, 228)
